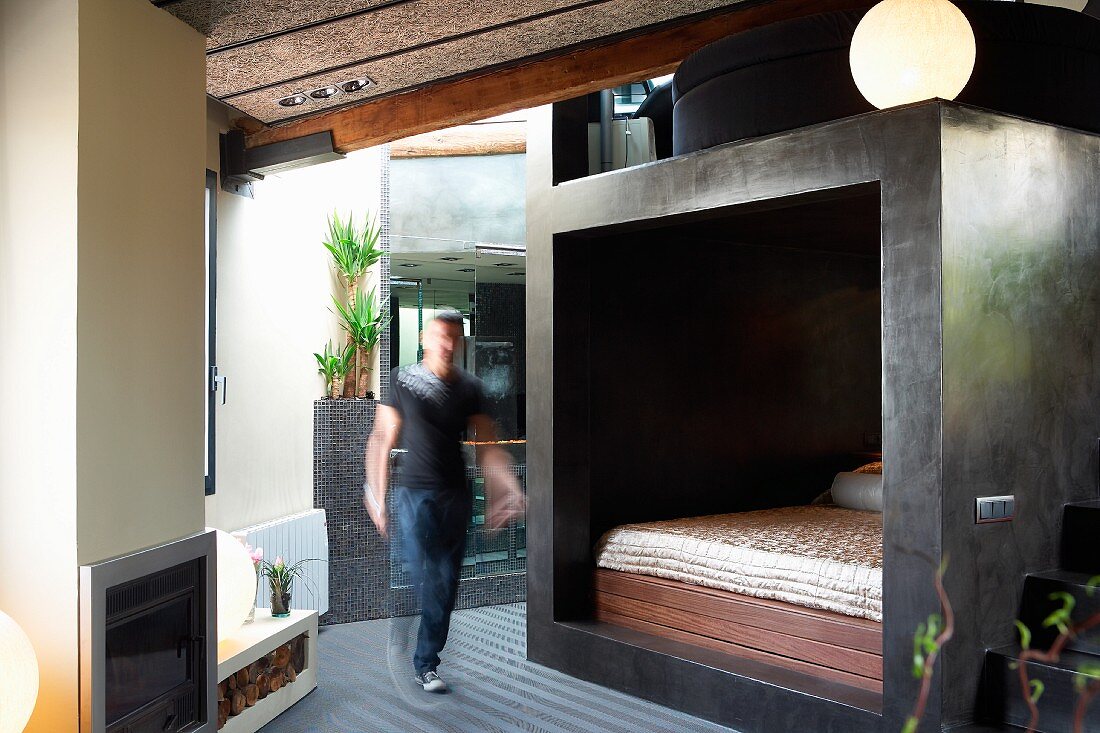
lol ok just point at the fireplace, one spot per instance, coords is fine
(148, 641)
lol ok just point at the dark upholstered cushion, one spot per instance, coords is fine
(796, 37)
(1032, 60)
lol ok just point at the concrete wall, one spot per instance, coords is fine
(274, 309)
(467, 198)
(100, 255)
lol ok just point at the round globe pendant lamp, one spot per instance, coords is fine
(906, 51)
(18, 677)
(236, 584)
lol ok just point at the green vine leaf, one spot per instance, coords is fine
(1060, 617)
(1037, 690)
(1025, 634)
(1086, 674)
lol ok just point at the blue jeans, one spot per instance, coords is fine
(433, 541)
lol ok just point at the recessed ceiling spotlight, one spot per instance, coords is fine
(450, 259)
(324, 92)
(293, 100)
(466, 269)
(356, 85)
(502, 264)
(408, 264)
(516, 273)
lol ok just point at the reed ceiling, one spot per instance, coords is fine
(261, 51)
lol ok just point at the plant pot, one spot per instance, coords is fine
(280, 604)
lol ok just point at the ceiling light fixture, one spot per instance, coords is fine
(293, 100)
(356, 85)
(324, 92)
(906, 51)
(466, 269)
(408, 264)
(515, 273)
(502, 264)
(450, 259)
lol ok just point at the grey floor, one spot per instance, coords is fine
(366, 687)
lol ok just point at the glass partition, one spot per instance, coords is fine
(487, 286)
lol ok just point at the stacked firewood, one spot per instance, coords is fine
(266, 675)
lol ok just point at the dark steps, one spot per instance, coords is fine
(1037, 605)
(1081, 537)
(1004, 701)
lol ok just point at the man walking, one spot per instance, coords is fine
(431, 404)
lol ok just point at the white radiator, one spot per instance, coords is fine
(296, 537)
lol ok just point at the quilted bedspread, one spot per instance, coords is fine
(822, 557)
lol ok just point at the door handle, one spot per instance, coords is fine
(218, 382)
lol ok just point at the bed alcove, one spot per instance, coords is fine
(733, 365)
(910, 235)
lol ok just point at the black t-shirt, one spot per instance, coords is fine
(434, 413)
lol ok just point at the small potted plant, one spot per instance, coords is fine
(280, 578)
(333, 366)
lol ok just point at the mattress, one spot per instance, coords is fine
(823, 557)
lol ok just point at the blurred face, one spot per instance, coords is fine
(440, 342)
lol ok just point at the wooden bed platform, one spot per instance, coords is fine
(821, 644)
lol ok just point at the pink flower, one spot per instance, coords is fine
(256, 554)
(279, 561)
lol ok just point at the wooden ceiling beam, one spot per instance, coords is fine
(457, 102)
(493, 138)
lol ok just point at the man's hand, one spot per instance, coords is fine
(504, 506)
(506, 502)
(377, 510)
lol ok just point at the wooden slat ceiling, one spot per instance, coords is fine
(259, 51)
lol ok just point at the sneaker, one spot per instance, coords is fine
(431, 682)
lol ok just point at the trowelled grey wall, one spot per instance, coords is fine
(1021, 363)
(467, 198)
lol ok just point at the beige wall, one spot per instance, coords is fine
(274, 311)
(140, 323)
(38, 271)
(101, 155)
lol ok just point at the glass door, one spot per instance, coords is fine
(499, 360)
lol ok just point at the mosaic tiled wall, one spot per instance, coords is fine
(384, 233)
(361, 583)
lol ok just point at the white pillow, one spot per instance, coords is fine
(858, 491)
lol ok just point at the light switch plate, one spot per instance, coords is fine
(994, 509)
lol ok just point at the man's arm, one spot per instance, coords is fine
(387, 428)
(503, 492)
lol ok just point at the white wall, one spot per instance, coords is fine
(38, 268)
(100, 155)
(274, 310)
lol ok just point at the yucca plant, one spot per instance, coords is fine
(353, 249)
(364, 323)
(334, 366)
